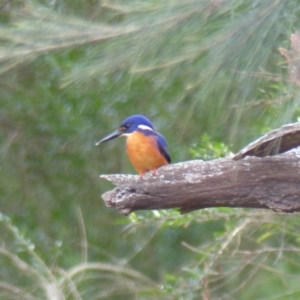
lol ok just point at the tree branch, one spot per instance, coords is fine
(254, 182)
(274, 142)
(258, 181)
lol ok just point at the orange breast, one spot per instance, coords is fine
(143, 153)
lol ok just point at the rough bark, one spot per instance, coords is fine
(271, 182)
(274, 142)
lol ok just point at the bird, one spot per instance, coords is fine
(146, 148)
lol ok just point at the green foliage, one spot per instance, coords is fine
(208, 149)
(209, 75)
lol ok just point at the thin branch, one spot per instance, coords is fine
(16, 291)
(108, 268)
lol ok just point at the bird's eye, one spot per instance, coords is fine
(124, 127)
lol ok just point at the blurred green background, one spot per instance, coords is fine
(210, 77)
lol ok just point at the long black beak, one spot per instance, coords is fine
(110, 137)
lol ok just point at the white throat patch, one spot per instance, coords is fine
(145, 127)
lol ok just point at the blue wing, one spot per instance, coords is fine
(161, 142)
(163, 147)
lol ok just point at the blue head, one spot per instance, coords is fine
(128, 126)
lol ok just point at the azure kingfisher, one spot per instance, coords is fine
(146, 148)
